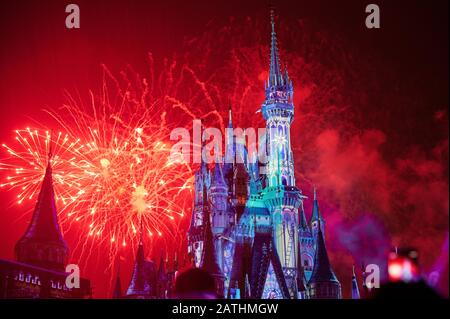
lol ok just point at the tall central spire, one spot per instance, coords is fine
(278, 87)
(275, 77)
(230, 120)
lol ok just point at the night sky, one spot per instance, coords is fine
(371, 126)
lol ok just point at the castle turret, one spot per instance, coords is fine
(43, 244)
(209, 257)
(323, 283)
(255, 177)
(306, 240)
(143, 278)
(41, 253)
(222, 217)
(196, 229)
(218, 194)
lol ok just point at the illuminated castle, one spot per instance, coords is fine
(249, 229)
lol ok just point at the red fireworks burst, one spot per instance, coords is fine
(114, 175)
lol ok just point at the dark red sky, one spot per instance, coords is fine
(393, 148)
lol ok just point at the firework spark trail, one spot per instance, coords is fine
(33, 154)
(133, 180)
(112, 171)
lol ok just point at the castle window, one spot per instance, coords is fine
(28, 278)
(21, 276)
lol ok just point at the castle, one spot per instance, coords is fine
(249, 229)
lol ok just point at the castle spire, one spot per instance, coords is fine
(140, 284)
(302, 223)
(43, 244)
(230, 119)
(322, 268)
(316, 216)
(323, 282)
(355, 289)
(275, 77)
(230, 147)
(367, 291)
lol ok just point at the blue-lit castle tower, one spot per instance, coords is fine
(253, 216)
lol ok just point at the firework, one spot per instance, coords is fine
(29, 161)
(112, 170)
(114, 176)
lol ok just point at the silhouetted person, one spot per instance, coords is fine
(405, 281)
(403, 290)
(195, 283)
